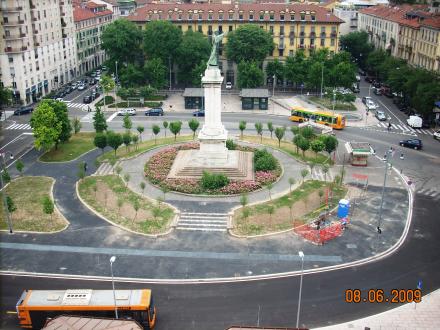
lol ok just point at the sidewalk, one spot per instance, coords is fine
(425, 315)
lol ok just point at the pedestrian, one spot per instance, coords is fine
(85, 167)
(89, 109)
(389, 126)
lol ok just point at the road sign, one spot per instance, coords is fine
(419, 285)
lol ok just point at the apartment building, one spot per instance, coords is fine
(293, 26)
(90, 20)
(408, 32)
(37, 46)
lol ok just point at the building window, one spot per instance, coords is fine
(313, 18)
(251, 17)
(230, 16)
(281, 30)
(210, 17)
(280, 52)
(271, 17)
(220, 29)
(322, 42)
(303, 17)
(190, 17)
(332, 42)
(230, 28)
(220, 17)
(200, 29)
(281, 17)
(292, 17)
(271, 29)
(240, 17)
(261, 17)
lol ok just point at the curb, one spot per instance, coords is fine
(115, 224)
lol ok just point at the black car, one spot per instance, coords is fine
(199, 113)
(369, 79)
(362, 72)
(92, 82)
(87, 99)
(154, 112)
(412, 143)
(23, 110)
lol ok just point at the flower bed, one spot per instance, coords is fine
(159, 165)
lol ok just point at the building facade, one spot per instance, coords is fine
(90, 20)
(408, 32)
(293, 26)
(38, 51)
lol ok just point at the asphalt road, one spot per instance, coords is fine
(274, 302)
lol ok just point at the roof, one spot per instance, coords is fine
(86, 297)
(254, 92)
(82, 14)
(194, 92)
(359, 148)
(65, 322)
(321, 14)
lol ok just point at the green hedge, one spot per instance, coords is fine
(108, 100)
(264, 161)
(136, 105)
(213, 180)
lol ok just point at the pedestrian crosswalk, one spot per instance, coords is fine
(430, 192)
(406, 129)
(106, 168)
(87, 118)
(203, 221)
(318, 174)
(79, 106)
(20, 127)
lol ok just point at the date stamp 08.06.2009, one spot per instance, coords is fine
(394, 296)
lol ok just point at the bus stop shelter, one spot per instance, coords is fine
(194, 98)
(254, 99)
(359, 152)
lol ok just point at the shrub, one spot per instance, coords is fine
(213, 180)
(264, 161)
(230, 144)
(108, 100)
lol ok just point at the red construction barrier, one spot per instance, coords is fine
(322, 235)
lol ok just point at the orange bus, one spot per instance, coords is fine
(35, 306)
(336, 121)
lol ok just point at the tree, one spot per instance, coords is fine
(127, 123)
(270, 128)
(296, 67)
(81, 170)
(192, 55)
(132, 75)
(244, 200)
(291, 183)
(249, 75)
(175, 128)
(60, 109)
(249, 43)
(357, 44)
(140, 130)
(126, 179)
(317, 146)
(19, 166)
(242, 127)
(121, 41)
(48, 206)
(156, 73)
(375, 58)
(99, 122)
(161, 40)
(193, 125)
(320, 193)
(114, 140)
(269, 187)
(45, 126)
(259, 128)
(126, 138)
(136, 207)
(279, 133)
(325, 168)
(314, 74)
(5, 96)
(5, 176)
(156, 130)
(297, 140)
(107, 84)
(11, 205)
(425, 96)
(100, 141)
(275, 68)
(135, 140)
(304, 145)
(271, 211)
(304, 173)
(165, 125)
(330, 142)
(142, 186)
(120, 202)
(118, 170)
(76, 125)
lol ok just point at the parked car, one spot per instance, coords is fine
(380, 115)
(154, 112)
(92, 82)
(87, 99)
(377, 83)
(124, 112)
(228, 85)
(69, 89)
(355, 88)
(377, 91)
(23, 110)
(369, 79)
(199, 113)
(436, 135)
(371, 105)
(414, 121)
(365, 98)
(74, 85)
(358, 78)
(362, 72)
(412, 143)
(81, 87)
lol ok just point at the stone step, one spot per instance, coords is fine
(106, 168)
(203, 221)
(202, 229)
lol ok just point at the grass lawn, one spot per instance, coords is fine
(328, 103)
(290, 148)
(77, 145)
(122, 152)
(300, 205)
(27, 194)
(109, 196)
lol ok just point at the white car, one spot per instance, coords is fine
(74, 85)
(130, 112)
(228, 85)
(436, 135)
(371, 105)
(81, 87)
(358, 78)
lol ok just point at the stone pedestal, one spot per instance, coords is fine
(213, 156)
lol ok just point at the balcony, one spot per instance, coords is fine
(301, 46)
(302, 34)
(15, 49)
(281, 46)
(333, 34)
(64, 35)
(13, 23)
(14, 36)
(312, 34)
(323, 35)
(10, 9)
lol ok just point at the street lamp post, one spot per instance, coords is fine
(13, 88)
(112, 260)
(322, 77)
(301, 255)
(5, 203)
(273, 85)
(169, 64)
(334, 100)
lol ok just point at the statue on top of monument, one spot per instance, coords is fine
(213, 59)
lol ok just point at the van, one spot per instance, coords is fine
(414, 121)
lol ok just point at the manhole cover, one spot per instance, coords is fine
(351, 246)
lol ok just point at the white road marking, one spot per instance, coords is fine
(109, 119)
